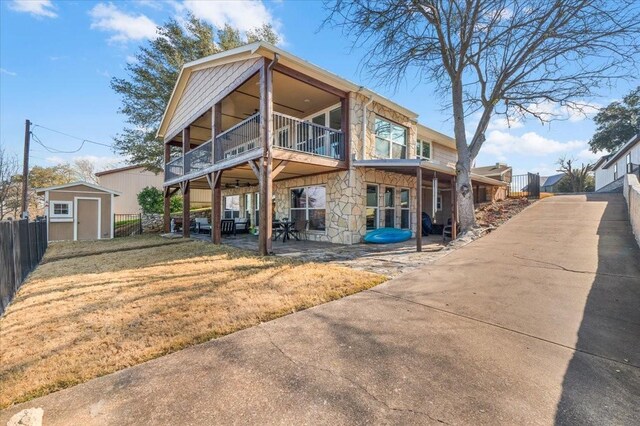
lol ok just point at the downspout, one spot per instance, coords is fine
(364, 127)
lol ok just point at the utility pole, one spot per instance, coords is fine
(25, 169)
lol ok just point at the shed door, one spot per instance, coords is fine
(87, 219)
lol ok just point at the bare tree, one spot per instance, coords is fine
(577, 176)
(491, 57)
(9, 188)
(85, 170)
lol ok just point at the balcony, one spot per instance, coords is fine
(243, 141)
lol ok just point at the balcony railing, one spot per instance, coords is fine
(288, 133)
(198, 159)
(304, 136)
(241, 138)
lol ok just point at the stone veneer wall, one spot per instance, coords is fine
(345, 203)
(356, 104)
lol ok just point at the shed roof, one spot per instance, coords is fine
(67, 185)
(118, 170)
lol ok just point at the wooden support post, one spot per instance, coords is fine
(186, 209)
(454, 210)
(344, 106)
(167, 197)
(419, 209)
(186, 193)
(266, 139)
(216, 208)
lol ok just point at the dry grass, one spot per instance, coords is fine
(83, 317)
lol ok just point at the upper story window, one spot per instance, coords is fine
(391, 139)
(330, 118)
(615, 171)
(423, 149)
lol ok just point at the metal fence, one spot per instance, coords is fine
(527, 185)
(22, 245)
(126, 225)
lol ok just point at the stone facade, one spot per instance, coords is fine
(345, 218)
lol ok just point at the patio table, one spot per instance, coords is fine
(287, 226)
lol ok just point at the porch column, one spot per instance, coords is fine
(434, 197)
(166, 217)
(215, 178)
(419, 209)
(454, 210)
(186, 193)
(266, 138)
(344, 106)
(216, 208)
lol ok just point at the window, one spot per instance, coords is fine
(309, 204)
(331, 118)
(439, 203)
(628, 161)
(423, 150)
(61, 209)
(615, 171)
(372, 207)
(232, 207)
(248, 207)
(404, 209)
(389, 207)
(391, 139)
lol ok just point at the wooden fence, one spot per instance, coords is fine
(22, 245)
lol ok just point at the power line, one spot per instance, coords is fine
(73, 137)
(55, 150)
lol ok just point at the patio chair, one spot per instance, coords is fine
(228, 227)
(202, 225)
(447, 231)
(299, 229)
(277, 230)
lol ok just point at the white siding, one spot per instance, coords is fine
(205, 88)
(605, 176)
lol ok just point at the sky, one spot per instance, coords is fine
(57, 59)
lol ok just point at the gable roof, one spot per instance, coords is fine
(601, 161)
(622, 150)
(67, 185)
(551, 180)
(267, 50)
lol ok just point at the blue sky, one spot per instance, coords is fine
(57, 58)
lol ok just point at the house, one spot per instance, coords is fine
(130, 180)
(78, 211)
(499, 171)
(610, 169)
(273, 136)
(550, 183)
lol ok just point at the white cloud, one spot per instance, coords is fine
(38, 8)
(502, 123)
(7, 72)
(554, 111)
(501, 143)
(107, 17)
(243, 15)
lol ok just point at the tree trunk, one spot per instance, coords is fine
(464, 189)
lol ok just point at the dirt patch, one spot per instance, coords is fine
(492, 215)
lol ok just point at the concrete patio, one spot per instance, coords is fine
(386, 259)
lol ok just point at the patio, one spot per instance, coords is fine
(387, 259)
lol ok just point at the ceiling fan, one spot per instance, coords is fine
(237, 185)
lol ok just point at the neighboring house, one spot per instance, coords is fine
(499, 171)
(130, 180)
(78, 211)
(550, 183)
(273, 136)
(610, 169)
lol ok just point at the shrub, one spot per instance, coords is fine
(150, 200)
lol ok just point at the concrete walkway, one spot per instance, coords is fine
(537, 323)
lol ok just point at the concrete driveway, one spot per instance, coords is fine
(537, 323)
